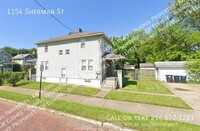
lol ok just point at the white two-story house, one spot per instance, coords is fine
(83, 58)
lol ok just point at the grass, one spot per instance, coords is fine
(103, 114)
(145, 86)
(72, 89)
(148, 99)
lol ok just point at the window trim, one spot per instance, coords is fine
(67, 51)
(83, 65)
(90, 64)
(60, 52)
(45, 48)
(46, 65)
(63, 75)
(82, 40)
(87, 65)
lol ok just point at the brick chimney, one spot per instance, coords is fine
(79, 30)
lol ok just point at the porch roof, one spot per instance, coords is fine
(114, 57)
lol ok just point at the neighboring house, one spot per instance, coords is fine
(83, 58)
(172, 68)
(5, 61)
(147, 66)
(147, 69)
(22, 59)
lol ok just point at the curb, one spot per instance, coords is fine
(91, 121)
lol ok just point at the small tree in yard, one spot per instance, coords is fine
(14, 78)
(193, 67)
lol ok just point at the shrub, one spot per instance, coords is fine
(193, 67)
(1, 81)
(17, 67)
(14, 78)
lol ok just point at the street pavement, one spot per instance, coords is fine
(16, 118)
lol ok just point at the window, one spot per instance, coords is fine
(82, 43)
(46, 48)
(60, 52)
(67, 51)
(5, 58)
(90, 67)
(63, 72)
(46, 67)
(83, 68)
(87, 65)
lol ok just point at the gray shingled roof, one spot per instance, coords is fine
(113, 57)
(147, 65)
(5, 52)
(20, 56)
(75, 36)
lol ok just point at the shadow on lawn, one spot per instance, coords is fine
(22, 84)
(128, 82)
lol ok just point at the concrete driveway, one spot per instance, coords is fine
(190, 93)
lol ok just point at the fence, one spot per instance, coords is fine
(143, 74)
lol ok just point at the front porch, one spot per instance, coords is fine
(111, 78)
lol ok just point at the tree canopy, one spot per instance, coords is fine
(172, 39)
(13, 51)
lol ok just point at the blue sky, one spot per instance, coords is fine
(113, 17)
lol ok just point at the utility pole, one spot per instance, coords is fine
(41, 70)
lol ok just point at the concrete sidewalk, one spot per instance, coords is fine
(184, 115)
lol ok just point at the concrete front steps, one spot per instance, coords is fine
(110, 83)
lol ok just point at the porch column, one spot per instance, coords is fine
(120, 78)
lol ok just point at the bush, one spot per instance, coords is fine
(193, 67)
(14, 78)
(17, 67)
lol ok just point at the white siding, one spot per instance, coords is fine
(71, 62)
(163, 71)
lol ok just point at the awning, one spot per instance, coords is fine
(114, 57)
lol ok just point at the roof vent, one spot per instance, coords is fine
(79, 30)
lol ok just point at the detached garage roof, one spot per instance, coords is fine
(147, 65)
(171, 64)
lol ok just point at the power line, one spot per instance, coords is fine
(55, 17)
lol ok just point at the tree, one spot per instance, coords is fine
(187, 12)
(193, 67)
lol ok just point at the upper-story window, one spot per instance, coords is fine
(5, 58)
(60, 52)
(45, 48)
(82, 43)
(67, 51)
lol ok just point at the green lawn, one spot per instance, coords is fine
(148, 99)
(145, 86)
(63, 88)
(103, 114)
